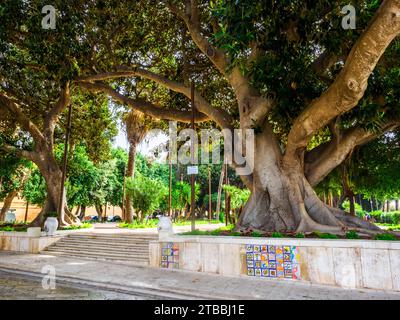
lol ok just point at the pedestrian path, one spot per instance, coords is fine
(190, 285)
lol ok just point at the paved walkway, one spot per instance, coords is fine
(174, 284)
(112, 228)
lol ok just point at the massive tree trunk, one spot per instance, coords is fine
(52, 174)
(130, 172)
(283, 200)
(7, 204)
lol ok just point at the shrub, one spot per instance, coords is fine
(277, 235)
(256, 234)
(352, 235)
(51, 214)
(359, 211)
(385, 236)
(300, 235)
(326, 235)
(392, 217)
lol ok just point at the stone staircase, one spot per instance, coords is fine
(124, 248)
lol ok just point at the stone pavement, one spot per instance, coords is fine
(103, 276)
(17, 287)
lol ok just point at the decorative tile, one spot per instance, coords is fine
(281, 262)
(170, 255)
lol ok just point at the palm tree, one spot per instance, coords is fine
(136, 126)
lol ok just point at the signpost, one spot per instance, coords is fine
(192, 170)
(64, 169)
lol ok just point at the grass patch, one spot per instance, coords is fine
(325, 235)
(386, 236)
(16, 226)
(84, 225)
(154, 222)
(352, 235)
(389, 226)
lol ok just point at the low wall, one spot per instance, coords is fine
(344, 263)
(21, 242)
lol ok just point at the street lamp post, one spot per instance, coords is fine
(64, 168)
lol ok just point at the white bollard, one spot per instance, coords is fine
(165, 229)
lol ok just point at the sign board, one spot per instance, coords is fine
(192, 170)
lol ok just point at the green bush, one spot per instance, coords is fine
(256, 234)
(299, 235)
(221, 217)
(385, 236)
(326, 235)
(277, 235)
(352, 235)
(359, 211)
(392, 217)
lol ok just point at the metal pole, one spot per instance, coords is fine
(170, 186)
(26, 211)
(209, 195)
(192, 178)
(226, 195)
(64, 169)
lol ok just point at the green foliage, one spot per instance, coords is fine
(146, 193)
(35, 188)
(392, 217)
(51, 214)
(386, 237)
(256, 234)
(359, 211)
(300, 235)
(84, 225)
(239, 196)
(277, 235)
(352, 235)
(325, 235)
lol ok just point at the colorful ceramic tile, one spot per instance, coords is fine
(273, 261)
(271, 256)
(264, 248)
(264, 256)
(271, 249)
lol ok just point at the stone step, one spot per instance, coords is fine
(103, 244)
(120, 240)
(110, 248)
(115, 255)
(136, 261)
(113, 236)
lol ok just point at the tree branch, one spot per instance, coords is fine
(220, 116)
(350, 85)
(54, 113)
(25, 123)
(144, 106)
(320, 161)
(29, 155)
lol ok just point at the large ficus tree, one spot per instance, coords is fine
(311, 90)
(296, 76)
